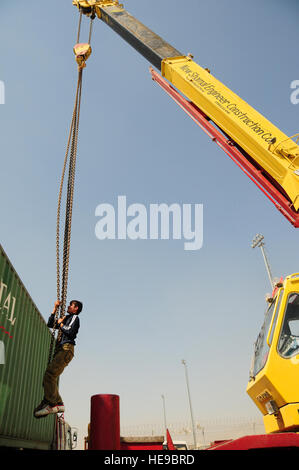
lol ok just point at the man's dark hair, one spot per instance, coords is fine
(77, 304)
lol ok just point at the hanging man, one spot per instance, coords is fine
(69, 326)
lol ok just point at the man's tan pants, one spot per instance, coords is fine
(61, 359)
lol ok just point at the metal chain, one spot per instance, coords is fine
(90, 27)
(79, 27)
(71, 156)
(70, 196)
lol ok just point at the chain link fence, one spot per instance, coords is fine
(206, 431)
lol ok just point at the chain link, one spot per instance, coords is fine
(71, 157)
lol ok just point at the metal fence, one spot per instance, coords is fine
(207, 431)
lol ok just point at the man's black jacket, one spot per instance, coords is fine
(71, 325)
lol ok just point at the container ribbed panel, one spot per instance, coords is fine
(24, 348)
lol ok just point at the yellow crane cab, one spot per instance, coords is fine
(274, 375)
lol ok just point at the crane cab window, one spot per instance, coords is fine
(261, 347)
(289, 337)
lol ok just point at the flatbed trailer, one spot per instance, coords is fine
(259, 442)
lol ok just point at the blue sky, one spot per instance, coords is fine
(147, 303)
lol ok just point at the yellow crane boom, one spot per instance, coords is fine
(260, 143)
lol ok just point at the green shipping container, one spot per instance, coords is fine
(24, 349)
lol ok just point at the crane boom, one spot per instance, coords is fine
(144, 40)
(273, 154)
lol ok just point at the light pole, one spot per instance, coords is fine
(202, 429)
(258, 241)
(164, 412)
(189, 396)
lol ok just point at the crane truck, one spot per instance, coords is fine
(270, 159)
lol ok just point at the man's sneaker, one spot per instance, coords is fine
(45, 408)
(58, 408)
(40, 407)
(44, 411)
